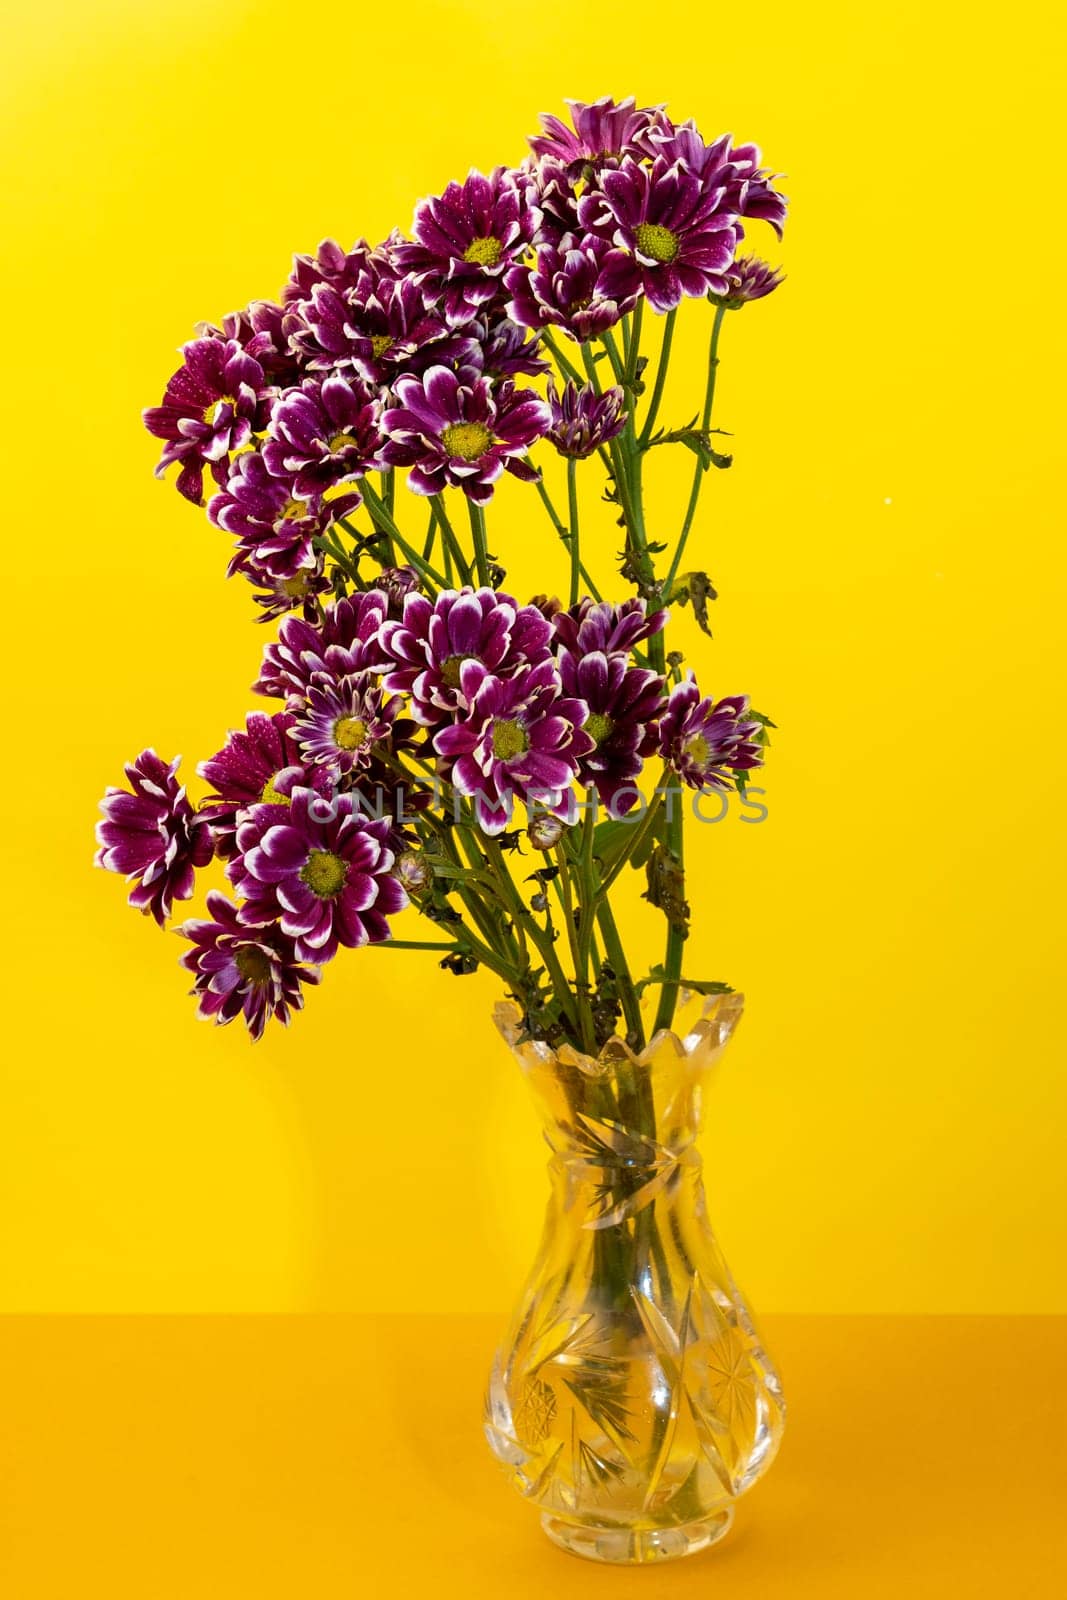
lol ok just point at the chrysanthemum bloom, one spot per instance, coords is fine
(324, 871)
(600, 625)
(260, 332)
(704, 739)
(343, 720)
(500, 348)
(279, 596)
(274, 530)
(583, 420)
(435, 638)
(466, 238)
(330, 264)
(551, 190)
(397, 583)
(623, 703)
(450, 432)
(681, 240)
(585, 286)
(242, 970)
(377, 327)
(212, 406)
(323, 434)
(344, 640)
(245, 773)
(152, 835)
(520, 738)
(603, 131)
(748, 187)
(749, 279)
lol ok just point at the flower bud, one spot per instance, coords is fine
(544, 831)
(414, 871)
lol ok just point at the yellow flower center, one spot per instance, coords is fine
(697, 750)
(339, 442)
(324, 873)
(272, 796)
(213, 412)
(292, 510)
(253, 965)
(656, 242)
(468, 440)
(485, 252)
(598, 726)
(349, 733)
(295, 588)
(450, 670)
(379, 344)
(509, 739)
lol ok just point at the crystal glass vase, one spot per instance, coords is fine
(632, 1400)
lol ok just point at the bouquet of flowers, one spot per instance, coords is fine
(493, 764)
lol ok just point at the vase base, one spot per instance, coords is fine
(634, 1547)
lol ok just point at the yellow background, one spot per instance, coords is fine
(887, 1132)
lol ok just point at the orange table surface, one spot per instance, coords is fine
(226, 1458)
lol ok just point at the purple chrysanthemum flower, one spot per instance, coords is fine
(600, 625)
(322, 869)
(377, 327)
(749, 279)
(274, 529)
(466, 238)
(243, 970)
(503, 349)
(583, 420)
(397, 583)
(259, 766)
(279, 596)
(751, 191)
(520, 738)
(213, 404)
(343, 721)
(450, 432)
(551, 190)
(748, 187)
(329, 264)
(584, 286)
(680, 238)
(623, 703)
(436, 638)
(152, 835)
(604, 131)
(705, 739)
(323, 434)
(260, 332)
(345, 640)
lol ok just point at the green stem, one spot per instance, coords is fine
(415, 944)
(481, 553)
(616, 955)
(676, 932)
(641, 831)
(698, 474)
(383, 520)
(572, 511)
(661, 379)
(452, 546)
(561, 529)
(564, 363)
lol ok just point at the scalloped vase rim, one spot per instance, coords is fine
(713, 1027)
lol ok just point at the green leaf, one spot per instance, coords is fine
(657, 975)
(695, 588)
